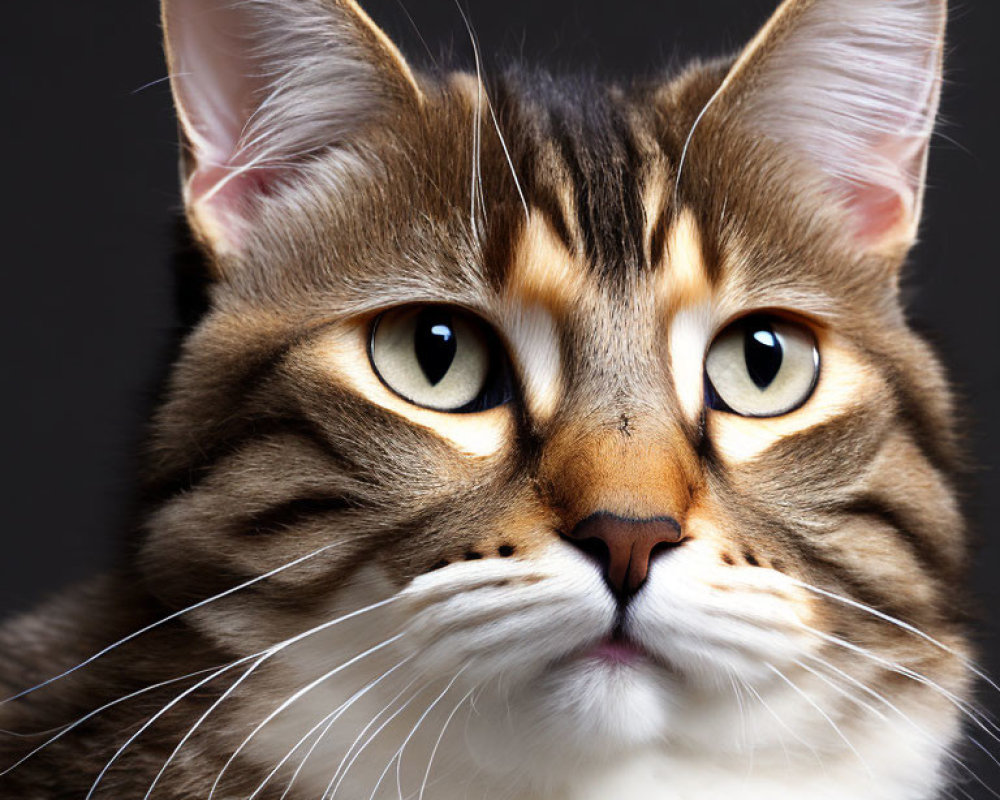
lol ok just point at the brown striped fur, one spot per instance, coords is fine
(276, 439)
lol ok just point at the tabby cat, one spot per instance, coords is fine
(542, 438)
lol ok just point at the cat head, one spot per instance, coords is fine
(602, 396)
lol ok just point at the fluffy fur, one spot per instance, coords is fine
(334, 592)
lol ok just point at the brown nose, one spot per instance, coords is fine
(625, 547)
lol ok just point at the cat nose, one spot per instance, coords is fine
(625, 547)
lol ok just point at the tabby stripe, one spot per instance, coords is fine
(925, 431)
(609, 204)
(229, 435)
(260, 368)
(711, 251)
(871, 591)
(922, 549)
(545, 200)
(658, 237)
(537, 180)
(830, 453)
(187, 479)
(293, 513)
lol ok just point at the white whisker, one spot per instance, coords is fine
(922, 732)
(334, 785)
(822, 713)
(152, 720)
(841, 691)
(783, 724)
(191, 731)
(744, 730)
(437, 744)
(988, 754)
(956, 701)
(690, 137)
(477, 131)
(900, 624)
(964, 793)
(419, 722)
(510, 161)
(297, 696)
(326, 723)
(397, 757)
(160, 81)
(167, 619)
(261, 657)
(65, 729)
(420, 36)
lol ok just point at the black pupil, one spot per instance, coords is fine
(435, 344)
(763, 353)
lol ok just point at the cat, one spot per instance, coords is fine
(542, 438)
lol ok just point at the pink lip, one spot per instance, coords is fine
(615, 651)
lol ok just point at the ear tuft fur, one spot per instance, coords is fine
(261, 85)
(853, 87)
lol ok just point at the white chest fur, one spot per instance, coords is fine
(652, 777)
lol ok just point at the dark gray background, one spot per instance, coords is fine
(89, 197)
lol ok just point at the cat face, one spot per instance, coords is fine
(595, 403)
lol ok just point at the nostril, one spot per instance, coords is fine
(664, 547)
(594, 547)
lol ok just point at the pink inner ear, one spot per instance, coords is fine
(268, 83)
(221, 187)
(878, 210)
(853, 87)
(223, 199)
(216, 79)
(218, 83)
(884, 209)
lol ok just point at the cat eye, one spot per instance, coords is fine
(761, 366)
(440, 357)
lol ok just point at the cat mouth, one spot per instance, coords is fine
(617, 649)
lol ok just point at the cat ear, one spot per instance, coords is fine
(262, 85)
(852, 87)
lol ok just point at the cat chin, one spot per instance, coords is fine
(584, 709)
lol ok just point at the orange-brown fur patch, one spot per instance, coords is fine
(607, 471)
(543, 271)
(684, 281)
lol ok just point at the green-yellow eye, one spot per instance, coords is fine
(761, 366)
(439, 357)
